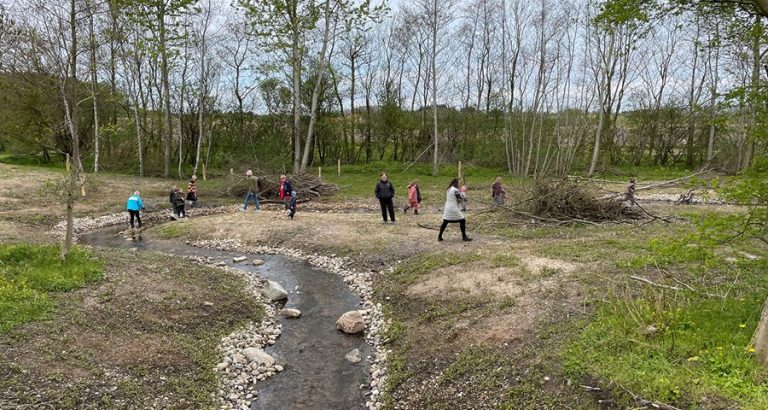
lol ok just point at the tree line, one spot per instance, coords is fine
(538, 87)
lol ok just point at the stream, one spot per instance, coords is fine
(311, 350)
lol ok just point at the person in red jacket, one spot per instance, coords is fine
(288, 195)
(414, 198)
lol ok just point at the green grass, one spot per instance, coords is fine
(174, 230)
(32, 160)
(700, 351)
(29, 272)
(410, 272)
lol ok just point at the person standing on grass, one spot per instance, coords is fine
(498, 193)
(135, 205)
(288, 195)
(192, 191)
(414, 198)
(385, 192)
(452, 211)
(253, 190)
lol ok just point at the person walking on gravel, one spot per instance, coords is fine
(135, 205)
(253, 190)
(452, 211)
(385, 192)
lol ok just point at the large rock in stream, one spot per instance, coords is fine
(351, 322)
(274, 291)
(256, 355)
(292, 313)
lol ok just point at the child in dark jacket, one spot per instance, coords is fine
(177, 202)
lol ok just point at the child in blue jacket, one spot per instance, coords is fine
(134, 206)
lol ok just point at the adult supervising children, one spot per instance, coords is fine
(385, 192)
(452, 211)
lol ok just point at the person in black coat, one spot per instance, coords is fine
(385, 192)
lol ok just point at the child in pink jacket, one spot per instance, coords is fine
(414, 198)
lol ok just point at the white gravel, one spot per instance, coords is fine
(359, 282)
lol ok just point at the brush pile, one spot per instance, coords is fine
(307, 186)
(565, 200)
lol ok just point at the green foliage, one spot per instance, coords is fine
(29, 272)
(614, 13)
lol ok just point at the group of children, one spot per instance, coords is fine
(179, 201)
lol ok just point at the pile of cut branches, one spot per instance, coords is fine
(307, 186)
(565, 200)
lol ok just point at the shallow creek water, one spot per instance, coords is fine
(316, 375)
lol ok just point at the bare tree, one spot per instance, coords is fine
(436, 17)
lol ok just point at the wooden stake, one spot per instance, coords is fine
(459, 170)
(231, 172)
(204, 178)
(320, 173)
(338, 167)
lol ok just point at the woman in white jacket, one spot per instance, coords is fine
(452, 211)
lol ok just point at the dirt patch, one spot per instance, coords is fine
(475, 278)
(538, 265)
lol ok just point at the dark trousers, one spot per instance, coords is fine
(387, 206)
(290, 205)
(462, 225)
(180, 211)
(135, 215)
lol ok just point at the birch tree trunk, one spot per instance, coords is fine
(321, 61)
(715, 77)
(203, 88)
(296, 68)
(435, 152)
(94, 88)
(69, 90)
(164, 72)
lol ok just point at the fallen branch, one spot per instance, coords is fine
(649, 403)
(692, 289)
(652, 283)
(672, 182)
